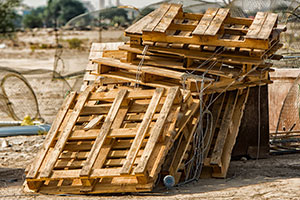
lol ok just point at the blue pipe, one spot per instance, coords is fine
(23, 130)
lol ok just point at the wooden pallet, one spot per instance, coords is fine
(227, 113)
(169, 26)
(165, 73)
(148, 75)
(117, 137)
(107, 141)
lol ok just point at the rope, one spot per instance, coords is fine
(199, 135)
(8, 102)
(139, 69)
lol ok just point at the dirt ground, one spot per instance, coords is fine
(277, 177)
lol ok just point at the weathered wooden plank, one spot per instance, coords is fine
(156, 131)
(118, 162)
(145, 69)
(138, 27)
(110, 95)
(75, 173)
(121, 153)
(181, 150)
(104, 131)
(126, 143)
(211, 41)
(168, 18)
(46, 172)
(224, 57)
(205, 21)
(135, 108)
(233, 132)
(256, 25)
(143, 128)
(216, 112)
(217, 22)
(161, 11)
(99, 188)
(94, 122)
(93, 133)
(51, 136)
(268, 26)
(223, 132)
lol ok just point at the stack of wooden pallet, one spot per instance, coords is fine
(173, 94)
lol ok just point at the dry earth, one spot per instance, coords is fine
(277, 177)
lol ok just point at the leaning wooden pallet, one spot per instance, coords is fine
(168, 102)
(117, 137)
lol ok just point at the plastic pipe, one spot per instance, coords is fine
(23, 130)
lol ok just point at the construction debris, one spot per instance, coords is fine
(167, 103)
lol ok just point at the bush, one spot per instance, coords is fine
(75, 43)
(35, 18)
(8, 15)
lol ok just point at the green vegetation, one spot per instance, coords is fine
(8, 15)
(116, 15)
(75, 43)
(59, 12)
(35, 19)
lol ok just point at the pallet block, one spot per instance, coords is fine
(107, 141)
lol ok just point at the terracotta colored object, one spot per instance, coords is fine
(283, 80)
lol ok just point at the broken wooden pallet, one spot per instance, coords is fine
(169, 26)
(227, 112)
(164, 73)
(104, 138)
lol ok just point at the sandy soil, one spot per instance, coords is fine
(277, 177)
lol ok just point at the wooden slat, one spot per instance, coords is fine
(168, 18)
(94, 122)
(121, 153)
(256, 25)
(268, 26)
(93, 133)
(156, 131)
(181, 150)
(216, 112)
(104, 131)
(233, 133)
(110, 95)
(161, 11)
(205, 21)
(46, 172)
(223, 132)
(138, 27)
(224, 57)
(217, 22)
(118, 162)
(51, 135)
(211, 41)
(135, 147)
(145, 69)
(73, 174)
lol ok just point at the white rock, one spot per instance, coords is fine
(4, 144)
